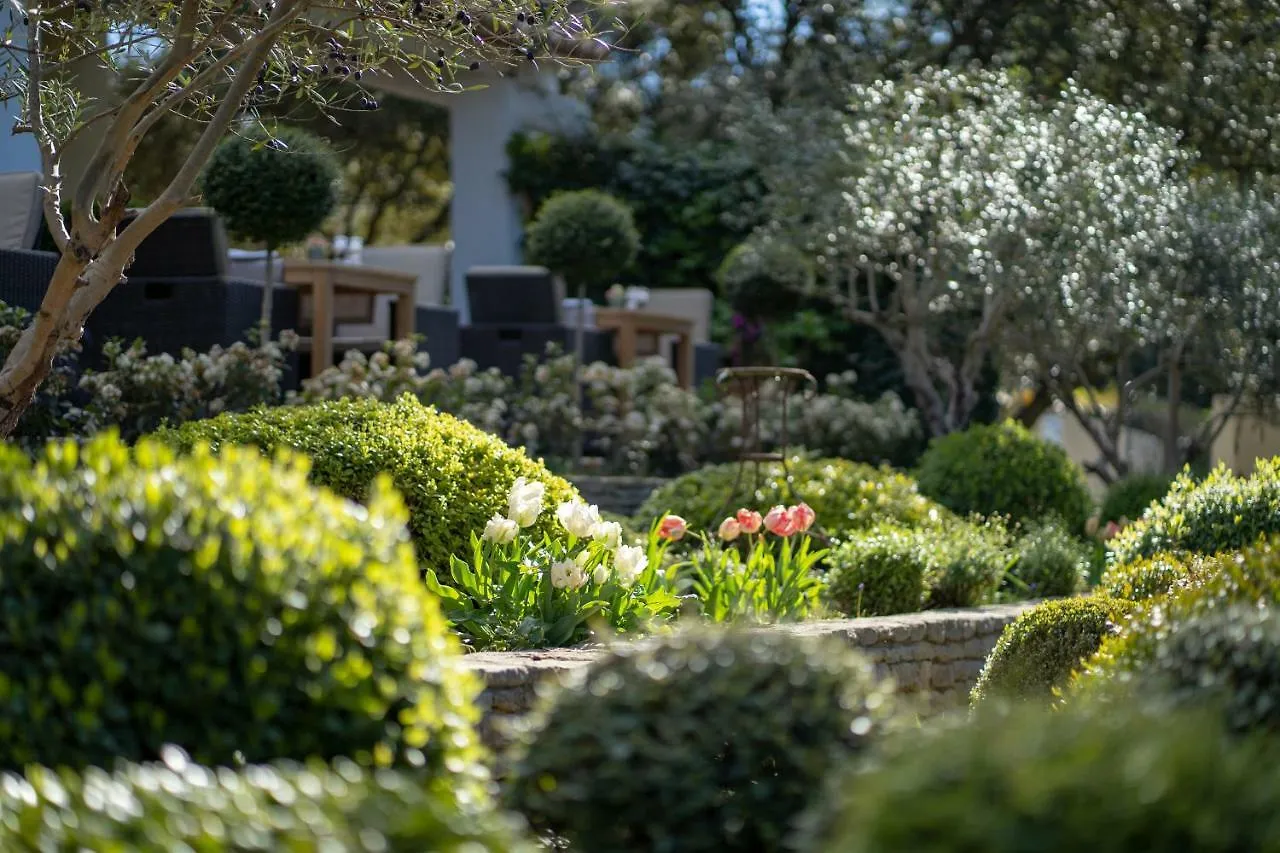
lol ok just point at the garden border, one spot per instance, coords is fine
(934, 656)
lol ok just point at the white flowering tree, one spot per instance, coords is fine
(216, 62)
(1195, 311)
(953, 204)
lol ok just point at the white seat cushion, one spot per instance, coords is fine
(19, 209)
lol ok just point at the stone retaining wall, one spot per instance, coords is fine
(934, 657)
(621, 495)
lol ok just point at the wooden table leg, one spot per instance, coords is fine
(322, 324)
(404, 316)
(684, 360)
(624, 344)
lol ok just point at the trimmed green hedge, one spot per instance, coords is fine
(1004, 470)
(1115, 782)
(703, 741)
(1049, 562)
(453, 476)
(1040, 650)
(1129, 497)
(1221, 513)
(879, 572)
(179, 806)
(221, 604)
(845, 495)
(1150, 577)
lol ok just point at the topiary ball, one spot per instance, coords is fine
(453, 476)
(845, 495)
(702, 741)
(220, 604)
(879, 572)
(1114, 782)
(1221, 513)
(968, 561)
(159, 808)
(273, 189)
(1130, 496)
(1049, 562)
(1040, 650)
(765, 278)
(1004, 470)
(587, 236)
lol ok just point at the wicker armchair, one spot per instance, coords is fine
(24, 275)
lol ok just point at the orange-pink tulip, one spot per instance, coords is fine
(779, 522)
(672, 528)
(802, 517)
(729, 529)
(749, 521)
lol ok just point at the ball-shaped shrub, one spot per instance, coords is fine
(845, 495)
(1049, 562)
(1221, 513)
(159, 808)
(765, 277)
(1130, 496)
(1106, 783)
(221, 604)
(880, 571)
(272, 189)
(587, 236)
(1040, 650)
(453, 476)
(1158, 575)
(701, 741)
(968, 561)
(1003, 469)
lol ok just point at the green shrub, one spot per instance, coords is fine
(879, 572)
(1040, 650)
(159, 808)
(1004, 470)
(219, 604)
(845, 495)
(702, 741)
(1130, 496)
(1050, 562)
(765, 278)
(968, 562)
(1221, 513)
(1106, 783)
(453, 476)
(272, 189)
(587, 236)
(1154, 576)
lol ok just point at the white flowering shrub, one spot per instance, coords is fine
(137, 393)
(520, 591)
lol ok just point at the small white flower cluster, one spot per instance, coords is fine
(582, 522)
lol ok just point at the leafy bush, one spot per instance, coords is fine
(273, 189)
(453, 476)
(1221, 513)
(968, 560)
(1154, 576)
(845, 495)
(882, 432)
(518, 592)
(158, 808)
(219, 604)
(52, 411)
(698, 742)
(880, 571)
(1002, 469)
(587, 236)
(1043, 646)
(1106, 783)
(1050, 562)
(1130, 496)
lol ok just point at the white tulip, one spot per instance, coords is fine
(578, 518)
(561, 572)
(500, 530)
(630, 561)
(608, 532)
(524, 502)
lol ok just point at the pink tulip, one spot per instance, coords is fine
(729, 529)
(749, 521)
(1111, 530)
(778, 521)
(802, 516)
(672, 528)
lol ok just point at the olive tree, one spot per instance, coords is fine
(217, 62)
(944, 206)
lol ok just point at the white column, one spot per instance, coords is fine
(17, 153)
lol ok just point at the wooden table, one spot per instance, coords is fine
(628, 325)
(327, 282)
